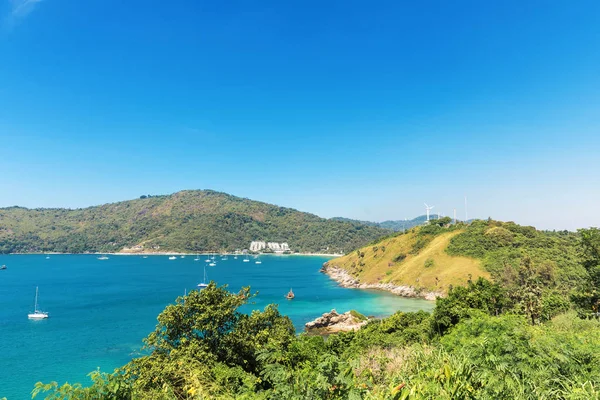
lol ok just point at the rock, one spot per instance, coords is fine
(334, 322)
(346, 280)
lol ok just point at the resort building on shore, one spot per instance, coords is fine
(275, 247)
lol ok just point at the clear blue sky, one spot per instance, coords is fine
(350, 108)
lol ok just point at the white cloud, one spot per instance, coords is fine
(22, 8)
(19, 9)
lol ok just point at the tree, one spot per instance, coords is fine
(461, 301)
(588, 295)
(528, 291)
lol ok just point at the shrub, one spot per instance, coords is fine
(400, 257)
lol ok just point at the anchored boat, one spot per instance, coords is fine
(37, 314)
(290, 295)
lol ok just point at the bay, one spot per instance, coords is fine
(100, 310)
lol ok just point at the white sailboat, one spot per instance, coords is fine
(37, 314)
(172, 258)
(203, 284)
(257, 261)
(246, 259)
(197, 257)
(103, 258)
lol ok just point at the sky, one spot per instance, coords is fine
(349, 108)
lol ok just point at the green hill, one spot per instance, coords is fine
(394, 225)
(435, 257)
(190, 221)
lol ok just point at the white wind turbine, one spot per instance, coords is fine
(428, 208)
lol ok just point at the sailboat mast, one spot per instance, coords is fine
(36, 297)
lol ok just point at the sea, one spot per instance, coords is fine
(100, 310)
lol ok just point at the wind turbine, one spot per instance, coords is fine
(428, 208)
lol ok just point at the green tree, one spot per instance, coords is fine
(588, 295)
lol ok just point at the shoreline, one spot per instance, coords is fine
(173, 253)
(344, 279)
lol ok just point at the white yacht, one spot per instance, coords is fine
(172, 258)
(103, 258)
(37, 314)
(203, 284)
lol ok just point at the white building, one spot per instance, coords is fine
(257, 246)
(275, 247)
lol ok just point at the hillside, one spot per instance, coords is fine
(394, 225)
(190, 221)
(433, 258)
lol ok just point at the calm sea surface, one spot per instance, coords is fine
(101, 309)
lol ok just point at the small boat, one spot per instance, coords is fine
(182, 256)
(103, 258)
(246, 259)
(212, 264)
(235, 257)
(2, 266)
(172, 258)
(203, 284)
(37, 314)
(145, 257)
(47, 257)
(290, 295)
(197, 257)
(257, 262)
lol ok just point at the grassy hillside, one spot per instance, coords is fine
(400, 260)
(439, 255)
(194, 221)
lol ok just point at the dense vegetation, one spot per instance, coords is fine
(191, 221)
(479, 343)
(527, 335)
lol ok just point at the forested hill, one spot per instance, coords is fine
(193, 221)
(395, 225)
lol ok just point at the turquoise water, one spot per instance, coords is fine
(101, 310)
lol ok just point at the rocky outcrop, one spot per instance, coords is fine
(346, 280)
(332, 322)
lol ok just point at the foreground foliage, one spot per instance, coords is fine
(204, 348)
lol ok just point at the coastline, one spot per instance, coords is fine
(173, 253)
(344, 279)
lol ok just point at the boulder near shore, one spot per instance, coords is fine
(332, 322)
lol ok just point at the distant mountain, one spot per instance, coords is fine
(395, 226)
(192, 221)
